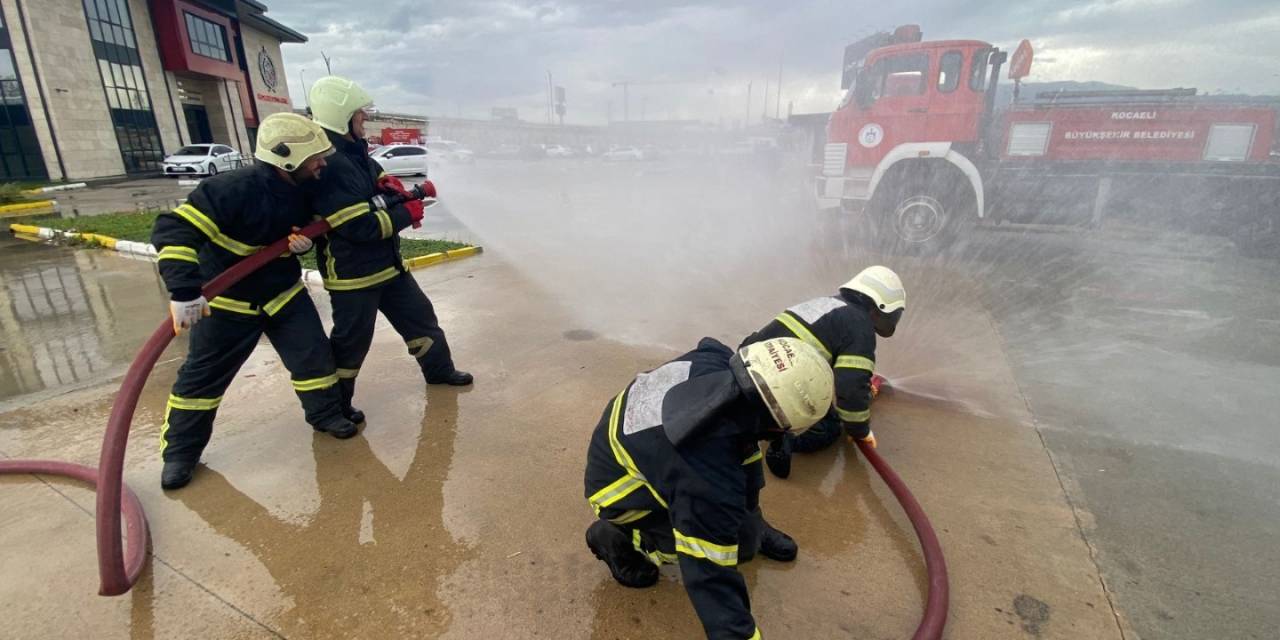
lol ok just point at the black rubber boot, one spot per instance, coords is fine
(778, 457)
(454, 379)
(354, 415)
(611, 544)
(176, 474)
(776, 545)
(340, 428)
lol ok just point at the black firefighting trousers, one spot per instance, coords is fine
(652, 535)
(412, 316)
(221, 343)
(819, 436)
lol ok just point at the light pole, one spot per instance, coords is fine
(306, 95)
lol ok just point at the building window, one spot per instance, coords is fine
(208, 38)
(116, 48)
(20, 156)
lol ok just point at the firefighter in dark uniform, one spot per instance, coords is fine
(674, 474)
(843, 329)
(226, 218)
(359, 258)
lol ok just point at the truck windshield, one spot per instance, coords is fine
(900, 75)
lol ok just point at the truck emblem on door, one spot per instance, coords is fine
(870, 136)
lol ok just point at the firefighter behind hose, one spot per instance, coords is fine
(226, 218)
(359, 258)
(843, 329)
(674, 474)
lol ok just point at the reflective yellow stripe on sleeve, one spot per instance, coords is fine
(347, 374)
(316, 384)
(755, 457)
(803, 333)
(855, 362)
(277, 303)
(384, 223)
(175, 252)
(853, 416)
(756, 635)
(725, 555)
(346, 214)
(209, 228)
(349, 284)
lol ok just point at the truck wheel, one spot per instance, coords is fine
(919, 219)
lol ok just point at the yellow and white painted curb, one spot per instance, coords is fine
(34, 207)
(148, 252)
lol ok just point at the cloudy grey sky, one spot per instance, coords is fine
(453, 57)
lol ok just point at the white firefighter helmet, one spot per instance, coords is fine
(884, 288)
(794, 381)
(286, 140)
(334, 100)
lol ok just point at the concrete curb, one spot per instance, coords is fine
(144, 250)
(28, 208)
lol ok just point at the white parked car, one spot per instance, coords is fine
(450, 151)
(623, 153)
(559, 151)
(202, 160)
(402, 159)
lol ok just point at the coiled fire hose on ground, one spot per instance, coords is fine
(117, 572)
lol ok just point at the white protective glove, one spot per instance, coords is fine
(186, 314)
(299, 243)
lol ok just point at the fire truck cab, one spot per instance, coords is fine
(913, 113)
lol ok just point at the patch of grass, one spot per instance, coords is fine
(136, 226)
(130, 225)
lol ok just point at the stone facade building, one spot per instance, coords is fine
(94, 89)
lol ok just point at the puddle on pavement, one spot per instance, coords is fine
(71, 317)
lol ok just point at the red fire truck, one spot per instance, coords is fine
(918, 148)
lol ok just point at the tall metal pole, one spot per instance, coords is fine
(764, 114)
(777, 107)
(747, 120)
(550, 97)
(306, 95)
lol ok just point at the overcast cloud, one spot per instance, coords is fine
(464, 57)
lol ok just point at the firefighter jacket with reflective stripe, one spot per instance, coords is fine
(708, 485)
(840, 328)
(363, 248)
(228, 217)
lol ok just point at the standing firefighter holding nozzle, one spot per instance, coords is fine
(843, 328)
(674, 472)
(227, 218)
(359, 259)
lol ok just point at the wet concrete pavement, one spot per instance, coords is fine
(459, 513)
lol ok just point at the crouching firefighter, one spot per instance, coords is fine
(843, 329)
(227, 218)
(674, 473)
(359, 258)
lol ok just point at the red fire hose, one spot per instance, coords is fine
(117, 572)
(935, 607)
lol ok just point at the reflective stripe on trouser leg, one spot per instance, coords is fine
(219, 345)
(188, 424)
(354, 316)
(297, 334)
(411, 314)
